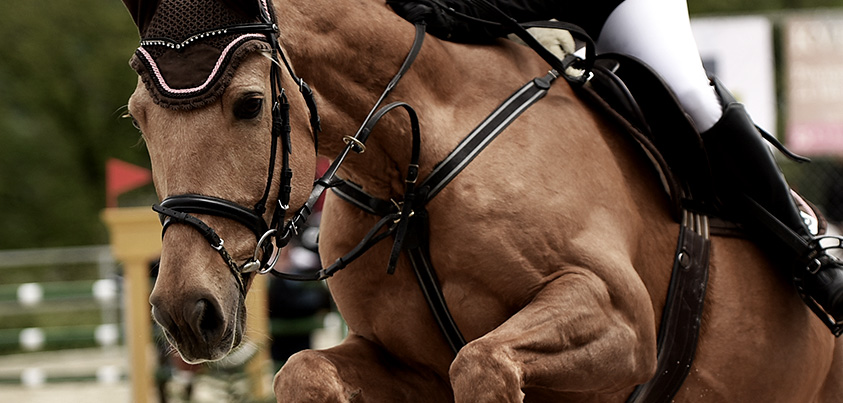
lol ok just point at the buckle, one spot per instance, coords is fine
(399, 206)
(356, 145)
(814, 266)
(819, 248)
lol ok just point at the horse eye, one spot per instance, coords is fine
(135, 124)
(248, 108)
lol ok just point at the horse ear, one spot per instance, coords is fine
(141, 11)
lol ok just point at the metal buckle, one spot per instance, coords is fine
(814, 266)
(254, 264)
(822, 245)
(357, 145)
(400, 207)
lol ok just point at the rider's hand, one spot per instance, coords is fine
(431, 12)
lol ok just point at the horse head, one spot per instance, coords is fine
(214, 114)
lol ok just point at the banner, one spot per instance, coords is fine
(813, 57)
(739, 51)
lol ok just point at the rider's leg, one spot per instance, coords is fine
(748, 178)
(658, 32)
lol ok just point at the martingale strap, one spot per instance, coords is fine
(412, 221)
(682, 314)
(487, 131)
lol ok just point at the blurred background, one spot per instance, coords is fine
(64, 83)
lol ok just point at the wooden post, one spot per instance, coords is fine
(257, 331)
(136, 241)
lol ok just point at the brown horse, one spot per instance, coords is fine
(553, 247)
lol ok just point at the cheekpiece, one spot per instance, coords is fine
(190, 49)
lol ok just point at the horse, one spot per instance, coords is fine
(553, 247)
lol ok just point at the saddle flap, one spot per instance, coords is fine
(642, 100)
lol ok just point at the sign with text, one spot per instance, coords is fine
(739, 51)
(813, 51)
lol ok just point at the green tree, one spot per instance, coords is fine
(63, 79)
(746, 6)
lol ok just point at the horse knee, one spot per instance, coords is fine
(308, 376)
(485, 372)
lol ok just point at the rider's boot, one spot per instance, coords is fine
(749, 180)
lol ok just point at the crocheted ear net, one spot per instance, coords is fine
(187, 56)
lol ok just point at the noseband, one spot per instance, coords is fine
(275, 235)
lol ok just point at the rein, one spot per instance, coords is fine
(277, 234)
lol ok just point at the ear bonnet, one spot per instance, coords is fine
(190, 49)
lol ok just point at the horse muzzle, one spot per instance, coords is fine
(198, 327)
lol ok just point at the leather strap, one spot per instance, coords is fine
(419, 254)
(485, 132)
(354, 194)
(682, 314)
(415, 227)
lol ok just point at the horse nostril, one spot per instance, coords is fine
(208, 320)
(165, 321)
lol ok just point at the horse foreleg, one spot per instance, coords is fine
(576, 337)
(355, 371)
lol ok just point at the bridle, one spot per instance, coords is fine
(275, 234)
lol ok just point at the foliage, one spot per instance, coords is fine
(755, 6)
(63, 79)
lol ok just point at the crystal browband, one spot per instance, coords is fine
(214, 32)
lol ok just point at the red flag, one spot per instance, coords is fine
(121, 177)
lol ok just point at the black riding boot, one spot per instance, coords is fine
(751, 187)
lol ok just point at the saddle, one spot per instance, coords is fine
(633, 95)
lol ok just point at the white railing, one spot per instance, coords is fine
(31, 299)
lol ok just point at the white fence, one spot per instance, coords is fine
(58, 299)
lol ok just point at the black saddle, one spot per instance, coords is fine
(640, 100)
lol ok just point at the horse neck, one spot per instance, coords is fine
(347, 52)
